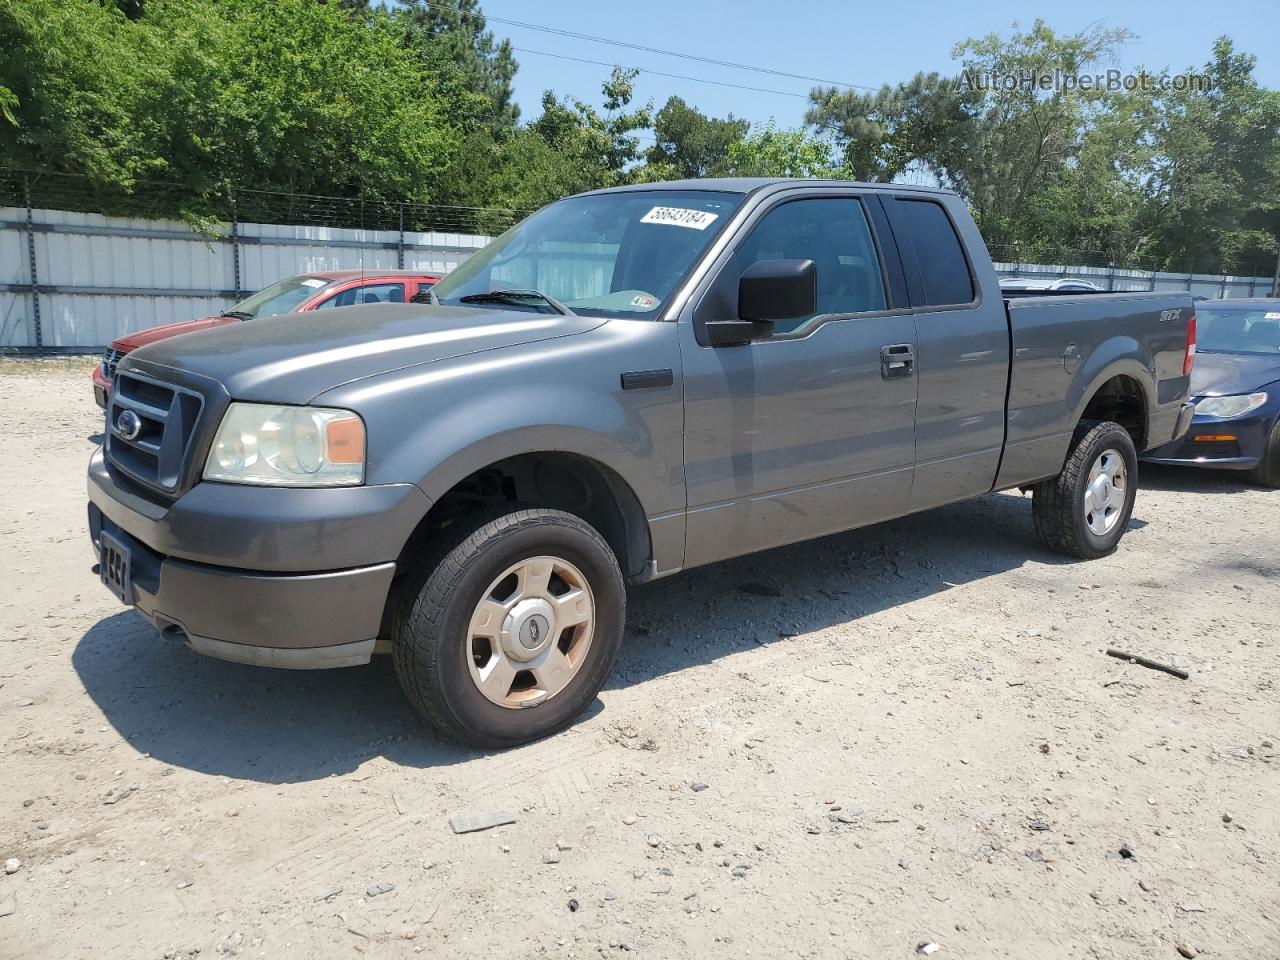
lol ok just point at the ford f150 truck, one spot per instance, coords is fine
(628, 383)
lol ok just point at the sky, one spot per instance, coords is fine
(845, 41)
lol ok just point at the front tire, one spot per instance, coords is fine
(1084, 511)
(507, 631)
(1267, 472)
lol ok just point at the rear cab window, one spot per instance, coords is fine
(940, 259)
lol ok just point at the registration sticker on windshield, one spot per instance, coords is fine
(313, 282)
(680, 217)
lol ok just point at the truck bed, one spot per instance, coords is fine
(1065, 345)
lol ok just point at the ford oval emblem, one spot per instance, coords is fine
(129, 425)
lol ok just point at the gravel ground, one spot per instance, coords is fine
(900, 736)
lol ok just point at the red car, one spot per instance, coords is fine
(311, 291)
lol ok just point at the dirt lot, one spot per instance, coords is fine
(917, 740)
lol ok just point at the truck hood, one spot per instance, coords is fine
(142, 337)
(292, 358)
(1223, 374)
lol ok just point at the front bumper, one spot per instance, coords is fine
(1242, 453)
(256, 575)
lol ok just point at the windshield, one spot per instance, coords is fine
(1238, 329)
(284, 296)
(608, 254)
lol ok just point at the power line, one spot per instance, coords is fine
(659, 73)
(573, 35)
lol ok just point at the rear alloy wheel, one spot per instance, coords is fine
(1106, 493)
(1083, 512)
(507, 629)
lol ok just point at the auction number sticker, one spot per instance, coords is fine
(1272, 316)
(680, 217)
(313, 282)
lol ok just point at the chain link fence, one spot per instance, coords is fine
(159, 200)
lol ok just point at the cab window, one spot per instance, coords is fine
(832, 232)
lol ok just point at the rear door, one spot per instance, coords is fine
(962, 360)
(809, 431)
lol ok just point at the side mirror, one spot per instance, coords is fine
(778, 290)
(769, 290)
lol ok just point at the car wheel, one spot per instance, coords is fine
(508, 631)
(1084, 511)
(1267, 472)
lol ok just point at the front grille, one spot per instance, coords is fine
(150, 426)
(110, 359)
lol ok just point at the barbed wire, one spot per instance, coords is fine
(155, 199)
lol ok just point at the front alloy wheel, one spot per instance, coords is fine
(506, 628)
(531, 632)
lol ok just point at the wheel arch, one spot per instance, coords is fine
(1122, 391)
(576, 483)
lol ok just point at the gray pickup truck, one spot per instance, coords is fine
(628, 383)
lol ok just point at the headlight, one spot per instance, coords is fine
(287, 446)
(1224, 408)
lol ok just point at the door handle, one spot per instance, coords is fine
(897, 360)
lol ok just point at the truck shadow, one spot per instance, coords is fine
(254, 723)
(280, 726)
(768, 597)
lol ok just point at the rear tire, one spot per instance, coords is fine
(1267, 472)
(1084, 511)
(507, 628)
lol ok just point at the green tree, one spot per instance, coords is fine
(1023, 139)
(688, 143)
(601, 145)
(292, 96)
(452, 34)
(570, 147)
(924, 122)
(998, 146)
(1212, 185)
(770, 152)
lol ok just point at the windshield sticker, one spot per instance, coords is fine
(1273, 315)
(643, 300)
(680, 217)
(312, 282)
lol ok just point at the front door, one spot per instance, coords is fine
(812, 430)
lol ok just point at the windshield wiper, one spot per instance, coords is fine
(238, 315)
(507, 296)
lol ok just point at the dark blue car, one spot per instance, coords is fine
(1236, 388)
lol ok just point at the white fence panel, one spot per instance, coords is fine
(15, 323)
(1113, 278)
(103, 277)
